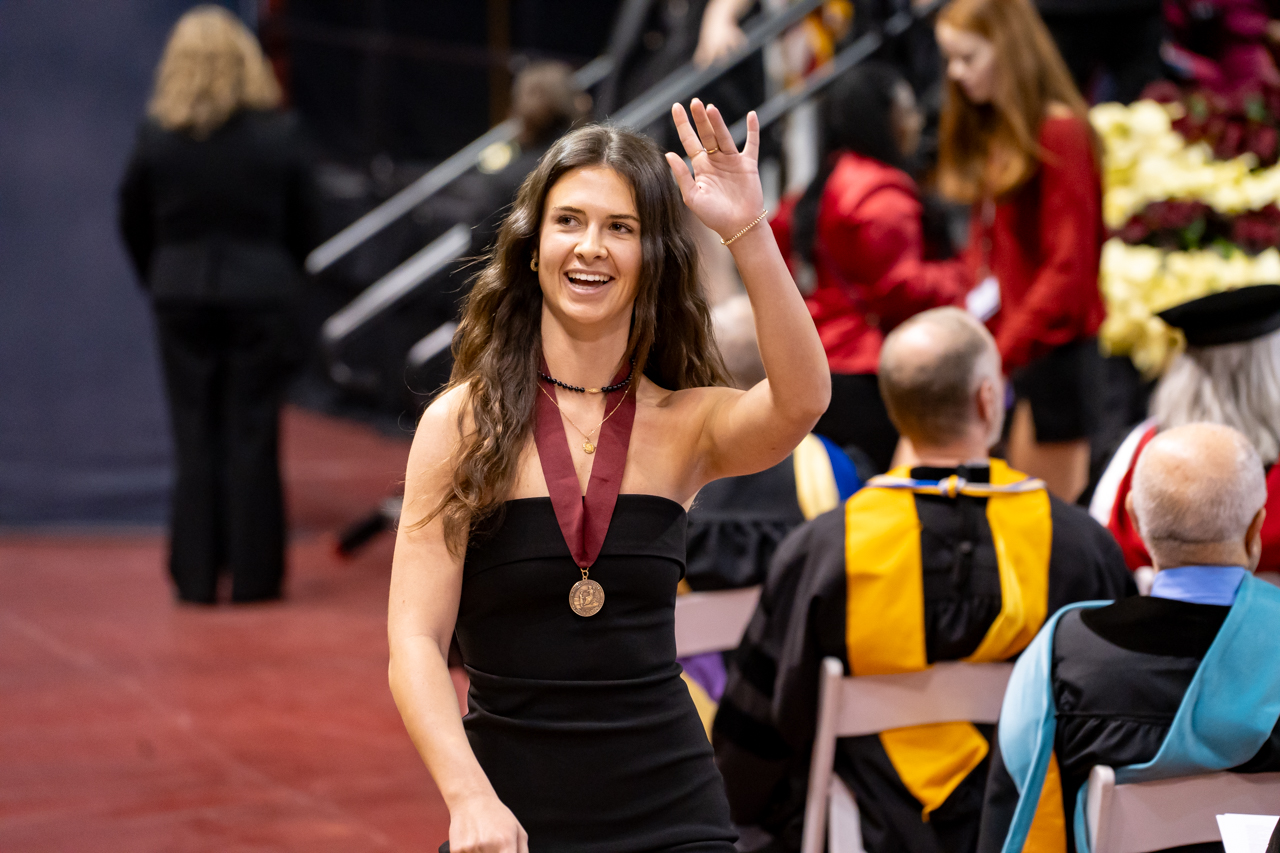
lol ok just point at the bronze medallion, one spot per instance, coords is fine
(586, 598)
(588, 447)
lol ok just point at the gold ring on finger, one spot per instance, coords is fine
(711, 150)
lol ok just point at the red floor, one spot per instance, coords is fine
(128, 723)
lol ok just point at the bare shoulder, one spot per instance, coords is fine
(683, 402)
(440, 430)
(444, 410)
(669, 438)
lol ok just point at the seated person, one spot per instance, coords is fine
(911, 570)
(1150, 686)
(1229, 374)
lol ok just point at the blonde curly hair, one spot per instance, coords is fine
(212, 67)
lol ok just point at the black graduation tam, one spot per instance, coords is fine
(1229, 317)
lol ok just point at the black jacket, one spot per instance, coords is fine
(222, 220)
(763, 731)
(1119, 675)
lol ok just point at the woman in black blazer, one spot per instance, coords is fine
(214, 211)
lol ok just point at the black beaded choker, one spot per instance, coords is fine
(605, 390)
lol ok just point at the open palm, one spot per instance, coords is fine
(723, 189)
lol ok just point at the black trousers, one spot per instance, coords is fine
(1125, 43)
(225, 370)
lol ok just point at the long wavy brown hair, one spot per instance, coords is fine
(498, 344)
(993, 149)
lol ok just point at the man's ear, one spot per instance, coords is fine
(988, 401)
(1133, 516)
(1253, 539)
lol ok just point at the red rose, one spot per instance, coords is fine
(1134, 231)
(1228, 145)
(1261, 141)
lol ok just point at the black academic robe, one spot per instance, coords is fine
(736, 525)
(1119, 675)
(763, 732)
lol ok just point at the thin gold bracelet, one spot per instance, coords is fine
(753, 224)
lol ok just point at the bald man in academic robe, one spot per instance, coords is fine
(909, 571)
(1119, 674)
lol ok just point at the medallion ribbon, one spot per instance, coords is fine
(584, 519)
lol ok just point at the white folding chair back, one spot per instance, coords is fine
(847, 707)
(713, 621)
(1145, 816)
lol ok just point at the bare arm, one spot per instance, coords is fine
(426, 584)
(748, 431)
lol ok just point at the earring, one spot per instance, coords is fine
(533, 264)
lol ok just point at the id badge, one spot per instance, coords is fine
(984, 300)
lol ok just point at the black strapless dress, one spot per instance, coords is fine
(584, 725)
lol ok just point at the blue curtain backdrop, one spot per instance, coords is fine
(84, 435)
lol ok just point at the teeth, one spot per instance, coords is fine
(587, 277)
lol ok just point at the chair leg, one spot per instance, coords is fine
(844, 824)
(1101, 788)
(823, 758)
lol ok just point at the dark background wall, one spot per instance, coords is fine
(84, 435)
(83, 430)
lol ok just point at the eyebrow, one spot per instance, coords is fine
(579, 210)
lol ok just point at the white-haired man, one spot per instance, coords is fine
(910, 570)
(1181, 682)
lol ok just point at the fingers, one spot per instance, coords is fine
(752, 148)
(702, 122)
(708, 132)
(720, 131)
(684, 179)
(522, 843)
(688, 136)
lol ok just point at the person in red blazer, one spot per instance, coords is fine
(1015, 142)
(856, 245)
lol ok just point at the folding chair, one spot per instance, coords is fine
(713, 621)
(1143, 816)
(864, 705)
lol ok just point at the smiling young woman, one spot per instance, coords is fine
(547, 489)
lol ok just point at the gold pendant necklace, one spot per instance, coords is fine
(588, 446)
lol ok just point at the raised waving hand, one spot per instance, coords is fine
(724, 189)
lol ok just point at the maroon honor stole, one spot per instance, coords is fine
(584, 519)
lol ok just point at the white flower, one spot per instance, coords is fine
(1146, 161)
(1138, 282)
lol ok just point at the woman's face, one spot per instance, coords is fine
(589, 251)
(971, 62)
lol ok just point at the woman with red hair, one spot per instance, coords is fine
(1016, 143)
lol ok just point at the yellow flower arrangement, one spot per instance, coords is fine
(1147, 161)
(1139, 281)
